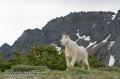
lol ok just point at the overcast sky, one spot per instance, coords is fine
(19, 15)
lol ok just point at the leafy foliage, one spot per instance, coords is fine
(1, 58)
(44, 55)
(93, 61)
(3, 66)
(18, 58)
(48, 56)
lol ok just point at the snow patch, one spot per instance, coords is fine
(87, 38)
(108, 22)
(93, 25)
(111, 44)
(57, 48)
(113, 17)
(106, 38)
(78, 30)
(95, 45)
(90, 44)
(80, 37)
(111, 61)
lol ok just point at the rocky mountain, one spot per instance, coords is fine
(6, 49)
(99, 32)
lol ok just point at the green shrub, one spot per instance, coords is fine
(48, 56)
(21, 68)
(26, 68)
(4, 67)
(93, 61)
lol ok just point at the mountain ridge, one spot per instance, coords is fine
(96, 26)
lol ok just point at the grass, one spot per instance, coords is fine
(76, 73)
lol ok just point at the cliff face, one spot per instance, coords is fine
(99, 32)
(28, 39)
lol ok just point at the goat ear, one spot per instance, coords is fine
(64, 33)
(67, 35)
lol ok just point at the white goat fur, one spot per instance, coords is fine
(74, 53)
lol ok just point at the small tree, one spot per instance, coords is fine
(1, 58)
(3, 65)
(93, 61)
(18, 58)
(48, 56)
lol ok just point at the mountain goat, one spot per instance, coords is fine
(74, 53)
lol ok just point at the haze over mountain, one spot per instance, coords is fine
(99, 32)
